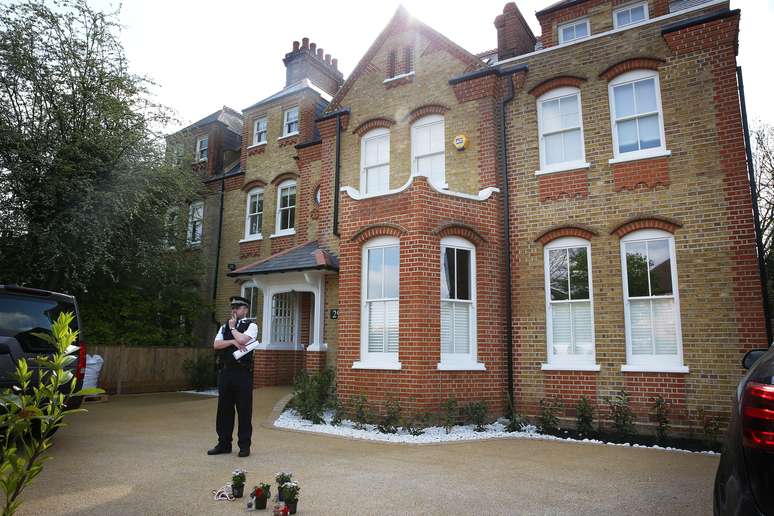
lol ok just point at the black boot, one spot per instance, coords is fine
(220, 448)
(244, 452)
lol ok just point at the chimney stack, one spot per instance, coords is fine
(309, 62)
(514, 37)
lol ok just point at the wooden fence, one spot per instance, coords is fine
(134, 370)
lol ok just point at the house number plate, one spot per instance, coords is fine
(334, 313)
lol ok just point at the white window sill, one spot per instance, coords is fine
(280, 346)
(570, 367)
(461, 366)
(562, 167)
(398, 77)
(259, 144)
(626, 368)
(287, 135)
(252, 238)
(374, 364)
(638, 155)
(283, 233)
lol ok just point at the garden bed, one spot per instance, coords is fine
(290, 419)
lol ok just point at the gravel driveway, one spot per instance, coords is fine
(145, 455)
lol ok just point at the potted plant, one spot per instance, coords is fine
(290, 491)
(281, 479)
(260, 495)
(238, 483)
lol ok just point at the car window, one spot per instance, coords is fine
(21, 316)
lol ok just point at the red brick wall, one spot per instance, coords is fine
(564, 185)
(648, 172)
(274, 367)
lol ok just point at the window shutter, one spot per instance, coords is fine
(447, 335)
(639, 313)
(391, 323)
(461, 327)
(664, 326)
(581, 315)
(561, 328)
(376, 326)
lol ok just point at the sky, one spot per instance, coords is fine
(206, 54)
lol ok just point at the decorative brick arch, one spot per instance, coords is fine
(636, 63)
(568, 230)
(366, 233)
(650, 222)
(557, 82)
(373, 123)
(255, 183)
(284, 176)
(427, 109)
(461, 230)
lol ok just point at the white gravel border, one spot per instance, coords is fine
(292, 421)
(209, 392)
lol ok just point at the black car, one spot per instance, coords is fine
(744, 484)
(24, 312)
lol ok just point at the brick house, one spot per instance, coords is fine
(565, 215)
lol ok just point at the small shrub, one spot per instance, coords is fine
(449, 414)
(710, 427)
(584, 416)
(391, 419)
(200, 371)
(338, 411)
(621, 413)
(415, 424)
(661, 408)
(312, 395)
(515, 420)
(548, 420)
(362, 414)
(476, 413)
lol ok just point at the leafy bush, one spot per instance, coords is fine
(312, 395)
(415, 424)
(363, 414)
(621, 413)
(661, 407)
(515, 420)
(584, 416)
(391, 419)
(710, 427)
(200, 371)
(449, 412)
(476, 413)
(548, 419)
(338, 410)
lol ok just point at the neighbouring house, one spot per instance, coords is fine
(564, 215)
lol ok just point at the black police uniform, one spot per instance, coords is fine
(235, 389)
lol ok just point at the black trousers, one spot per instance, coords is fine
(235, 390)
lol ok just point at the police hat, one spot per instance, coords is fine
(237, 301)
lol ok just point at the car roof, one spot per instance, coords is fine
(36, 292)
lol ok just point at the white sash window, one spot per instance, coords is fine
(560, 124)
(427, 149)
(569, 305)
(260, 130)
(254, 215)
(286, 208)
(290, 122)
(375, 162)
(195, 222)
(202, 146)
(637, 118)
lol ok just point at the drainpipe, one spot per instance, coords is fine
(217, 249)
(756, 213)
(336, 176)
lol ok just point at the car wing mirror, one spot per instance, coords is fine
(4, 349)
(752, 356)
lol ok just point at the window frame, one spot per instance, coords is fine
(423, 122)
(461, 361)
(257, 132)
(191, 208)
(278, 231)
(285, 122)
(259, 235)
(632, 77)
(199, 148)
(554, 94)
(575, 362)
(375, 359)
(253, 302)
(575, 22)
(627, 8)
(652, 363)
(379, 132)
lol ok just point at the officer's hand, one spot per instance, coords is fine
(240, 347)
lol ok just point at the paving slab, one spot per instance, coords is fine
(145, 455)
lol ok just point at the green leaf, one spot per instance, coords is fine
(91, 391)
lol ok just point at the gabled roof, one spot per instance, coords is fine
(401, 19)
(231, 118)
(290, 90)
(558, 5)
(307, 256)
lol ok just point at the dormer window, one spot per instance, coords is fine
(202, 144)
(259, 131)
(290, 124)
(577, 29)
(630, 14)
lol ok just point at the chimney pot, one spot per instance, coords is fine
(327, 58)
(295, 46)
(312, 47)
(320, 53)
(335, 63)
(305, 43)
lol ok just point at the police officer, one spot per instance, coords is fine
(235, 380)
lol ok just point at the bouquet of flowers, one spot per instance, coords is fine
(290, 491)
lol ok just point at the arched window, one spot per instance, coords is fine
(380, 300)
(427, 149)
(560, 125)
(569, 305)
(375, 162)
(636, 115)
(254, 214)
(286, 208)
(458, 304)
(651, 302)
